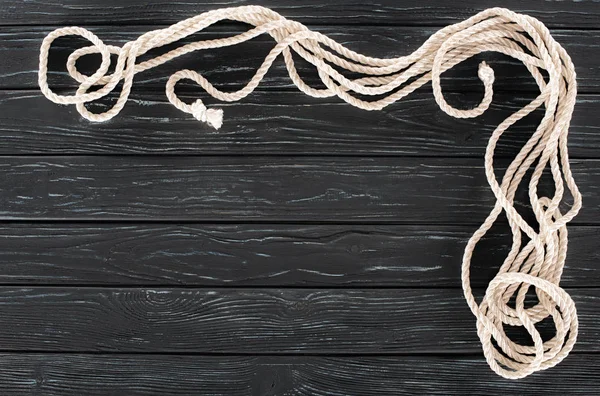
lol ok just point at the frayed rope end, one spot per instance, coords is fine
(213, 117)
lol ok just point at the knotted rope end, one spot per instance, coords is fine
(213, 117)
(485, 73)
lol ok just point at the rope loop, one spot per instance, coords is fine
(536, 265)
(518, 360)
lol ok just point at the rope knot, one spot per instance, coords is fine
(485, 73)
(213, 117)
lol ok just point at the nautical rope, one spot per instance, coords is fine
(536, 263)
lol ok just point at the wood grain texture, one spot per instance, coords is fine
(571, 13)
(306, 248)
(265, 189)
(225, 68)
(255, 321)
(265, 255)
(280, 123)
(135, 375)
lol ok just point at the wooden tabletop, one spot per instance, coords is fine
(305, 248)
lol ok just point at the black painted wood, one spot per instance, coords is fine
(571, 13)
(66, 375)
(263, 189)
(282, 122)
(266, 255)
(227, 70)
(306, 248)
(254, 321)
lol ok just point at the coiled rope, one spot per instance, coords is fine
(538, 263)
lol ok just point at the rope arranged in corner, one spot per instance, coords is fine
(537, 263)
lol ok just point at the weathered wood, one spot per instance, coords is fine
(265, 189)
(570, 13)
(265, 255)
(259, 321)
(66, 375)
(306, 248)
(282, 122)
(225, 68)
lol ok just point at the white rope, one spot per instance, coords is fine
(537, 263)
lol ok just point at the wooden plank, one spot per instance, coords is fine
(570, 13)
(254, 321)
(282, 122)
(224, 67)
(65, 375)
(269, 321)
(263, 189)
(265, 255)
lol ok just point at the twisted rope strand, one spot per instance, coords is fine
(537, 264)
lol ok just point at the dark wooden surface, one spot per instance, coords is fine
(306, 248)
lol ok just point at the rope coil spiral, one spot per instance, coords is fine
(537, 264)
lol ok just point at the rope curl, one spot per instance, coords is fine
(537, 264)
